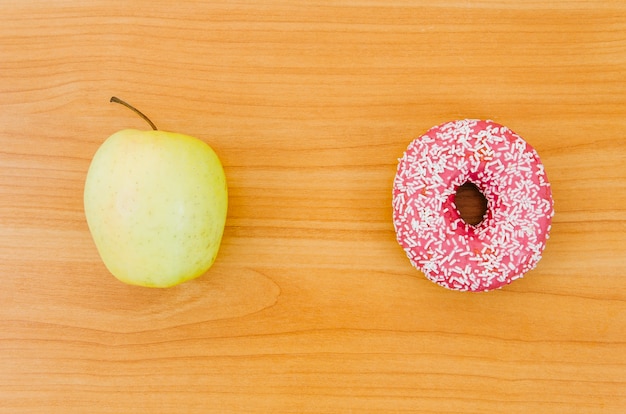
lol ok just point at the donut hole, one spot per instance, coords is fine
(471, 203)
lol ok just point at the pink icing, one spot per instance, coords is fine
(512, 236)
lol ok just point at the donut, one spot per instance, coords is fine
(512, 235)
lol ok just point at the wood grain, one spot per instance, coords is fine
(312, 306)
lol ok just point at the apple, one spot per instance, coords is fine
(156, 205)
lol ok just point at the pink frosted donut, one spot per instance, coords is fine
(510, 239)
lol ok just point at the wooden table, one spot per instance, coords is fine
(312, 306)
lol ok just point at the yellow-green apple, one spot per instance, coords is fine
(156, 205)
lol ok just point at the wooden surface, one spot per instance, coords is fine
(311, 307)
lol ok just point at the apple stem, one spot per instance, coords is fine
(137, 111)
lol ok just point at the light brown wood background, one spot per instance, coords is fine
(311, 307)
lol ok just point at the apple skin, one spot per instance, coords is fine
(156, 205)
